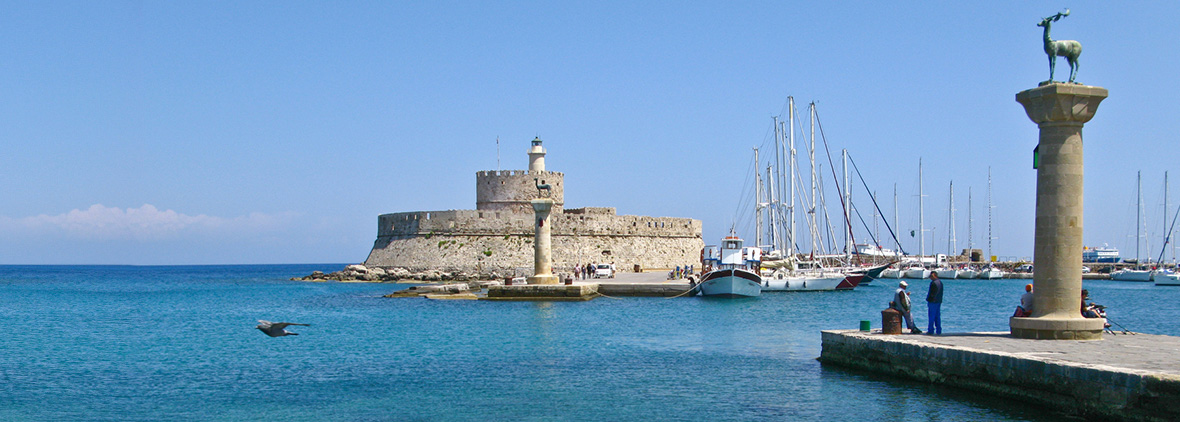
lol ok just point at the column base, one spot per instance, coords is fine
(544, 279)
(1057, 328)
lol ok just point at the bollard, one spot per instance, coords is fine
(569, 280)
(890, 321)
(865, 326)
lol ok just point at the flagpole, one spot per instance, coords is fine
(497, 153)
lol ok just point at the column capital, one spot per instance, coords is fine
(1061, 103)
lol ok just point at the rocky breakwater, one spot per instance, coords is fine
(361, 273)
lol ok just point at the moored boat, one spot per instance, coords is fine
(947, 273)
(1130, 274)
(968, 272)
(917, 271)
(732, 270)
(991, 273)
(1166, 278)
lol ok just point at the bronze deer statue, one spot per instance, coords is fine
(1069, 49)
(543, 187)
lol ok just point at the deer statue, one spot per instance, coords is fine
(1069, 49)
(543, 187)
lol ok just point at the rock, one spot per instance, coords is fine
(357, 268)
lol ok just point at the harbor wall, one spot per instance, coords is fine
(1089, 390)
(500, 241)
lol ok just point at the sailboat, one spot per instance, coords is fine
(918, 269)
(990, 272)
(1131, 274)
(946, 271)
(1164, 276)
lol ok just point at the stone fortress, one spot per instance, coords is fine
(495, 239)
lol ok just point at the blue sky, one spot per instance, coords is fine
(276, 132)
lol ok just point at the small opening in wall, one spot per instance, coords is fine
(481, 215)
(606, 252)
(501, 182)
(427, 216)
(632, 224)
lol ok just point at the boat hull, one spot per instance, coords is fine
(1166, 279)
(947, 274)
(802, 283)
(730, 283)
(991, 274)
(916, 273)
(1131, 275)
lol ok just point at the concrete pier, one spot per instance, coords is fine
(1124, 377)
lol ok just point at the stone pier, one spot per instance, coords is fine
(1059, 110)
(1122, 378)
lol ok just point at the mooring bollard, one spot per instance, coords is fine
(890, 321)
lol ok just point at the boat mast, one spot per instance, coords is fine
(757, 201)
(896, 239)
(1138, 213)
(775, 197)
(951, 222)
(989, 214)
(1167, 235)
(811, 157)
(847, 207)
(921, 217)
(970, 239)
(792, 164)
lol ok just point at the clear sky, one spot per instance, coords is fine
(277, 132)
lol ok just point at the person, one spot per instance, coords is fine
(934, 305)
(589, 270)
(1091, 310)
(901, 302)
(578, 271)
(1026, 302)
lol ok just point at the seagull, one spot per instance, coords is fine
(276, 329)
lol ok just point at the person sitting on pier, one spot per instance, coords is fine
(1026, 302)
(901, 302)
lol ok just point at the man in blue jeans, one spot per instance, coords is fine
(934, 305)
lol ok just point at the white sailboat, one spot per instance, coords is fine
(946, 271)
(1132, 274)
(990, 272)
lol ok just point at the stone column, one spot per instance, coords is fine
(1059, 110)
(542, 250)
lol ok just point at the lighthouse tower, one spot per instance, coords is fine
(536, 156)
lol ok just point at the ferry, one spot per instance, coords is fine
(731, 270)
(1103, 254)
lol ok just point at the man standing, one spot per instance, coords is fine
(934, 305)
(901, 302)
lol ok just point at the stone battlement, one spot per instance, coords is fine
(598, 222)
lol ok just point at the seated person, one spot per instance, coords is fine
(1026, 302)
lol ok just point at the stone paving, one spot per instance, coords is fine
(1138, 353)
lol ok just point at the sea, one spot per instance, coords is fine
(150, 343)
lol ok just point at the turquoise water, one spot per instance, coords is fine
(178, 343)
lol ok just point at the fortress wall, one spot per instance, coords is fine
(463, 240)
(512, 190)
(498, 222)
(512, 254)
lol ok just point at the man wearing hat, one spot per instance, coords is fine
(901, 302)
(934, 305)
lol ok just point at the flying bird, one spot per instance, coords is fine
(276, 329)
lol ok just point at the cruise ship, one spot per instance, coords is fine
(1103, 254)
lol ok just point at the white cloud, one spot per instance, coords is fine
(144, 223)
